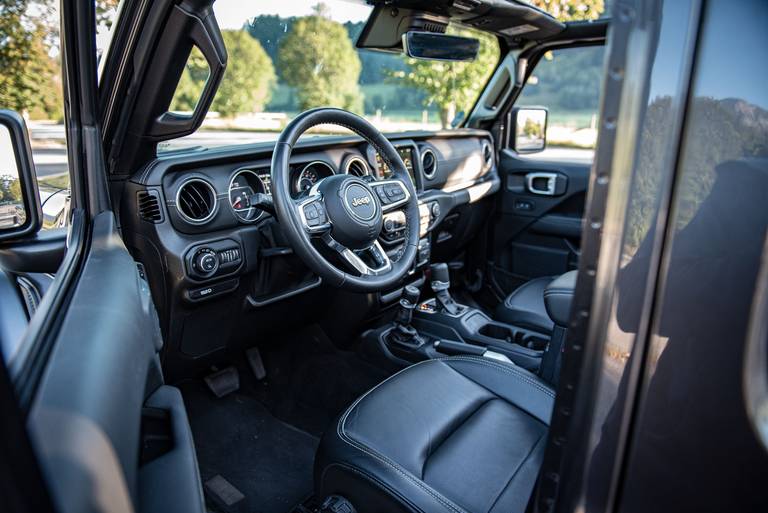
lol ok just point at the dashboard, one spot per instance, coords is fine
(194, 220)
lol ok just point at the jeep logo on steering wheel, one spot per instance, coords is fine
(361, 200)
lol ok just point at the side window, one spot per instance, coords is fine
(567, 83)
(191, 84)
(31, 84)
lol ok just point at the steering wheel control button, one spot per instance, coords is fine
(391, 193)
(382, 194)
(395, 193)
(314, 214)
(310, 211)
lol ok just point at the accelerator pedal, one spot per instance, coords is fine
(223, 382)
(257, 364)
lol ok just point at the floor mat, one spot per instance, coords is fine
(310, 382)
(236, 437)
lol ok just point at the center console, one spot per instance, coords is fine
(445, 318)
(441, 326)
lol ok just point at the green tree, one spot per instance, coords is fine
(317, 59)
(248, 80)
(452, 86)
(269, 30)
(571, 10)
(30, 78)
(10, 189)
(247, 83)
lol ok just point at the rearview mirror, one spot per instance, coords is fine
(20, 212)
(440, 47)
(530, 129)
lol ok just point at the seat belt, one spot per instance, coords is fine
(553, 356)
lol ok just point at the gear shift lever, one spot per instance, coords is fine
(441, 282)
(403, 333)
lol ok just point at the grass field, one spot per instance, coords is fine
(54, 182)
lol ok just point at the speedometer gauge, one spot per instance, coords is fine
(307, 179)
(243, 186)
(309, 175)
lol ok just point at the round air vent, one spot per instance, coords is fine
(356, 166)
(196, 201)
(487, 154)
(428, 163)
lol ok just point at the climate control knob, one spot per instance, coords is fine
(205, 262)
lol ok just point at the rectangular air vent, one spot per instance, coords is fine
(149, 206)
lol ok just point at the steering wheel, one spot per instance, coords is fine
(345, 212)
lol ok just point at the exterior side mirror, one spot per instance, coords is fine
(530, 129)
(20, 211)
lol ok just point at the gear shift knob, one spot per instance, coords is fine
(410, 294)
(439, 272)
(403, 333)
(441, 283)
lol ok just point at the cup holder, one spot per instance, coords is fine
(497, 331)
(534, 342)
(511, 335)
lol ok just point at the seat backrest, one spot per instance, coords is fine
(20, 295)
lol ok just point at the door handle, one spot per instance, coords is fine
(545, 184)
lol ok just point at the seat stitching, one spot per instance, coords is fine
(432, 492)
(431, 452)
(379, 483)
(341, 426)
(527, 457)
(507, 370)
(558, 293)
(340, 430)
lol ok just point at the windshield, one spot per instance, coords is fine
(289, 56)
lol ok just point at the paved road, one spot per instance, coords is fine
(50, 155)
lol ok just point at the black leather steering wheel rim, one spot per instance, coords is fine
(295, 228)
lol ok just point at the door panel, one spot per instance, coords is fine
(537, 234)
(101, 405)
(538, 229)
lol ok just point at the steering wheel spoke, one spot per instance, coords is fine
(313, 215)
(371, 261)
(392, 193)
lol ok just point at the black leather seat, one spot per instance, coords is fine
(20, 295)
(525, 306)
(460, 434)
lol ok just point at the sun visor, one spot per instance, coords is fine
(508, 19)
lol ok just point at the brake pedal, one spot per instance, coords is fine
(257, 364)
(223, 382)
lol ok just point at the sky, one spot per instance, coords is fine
(231, 14)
